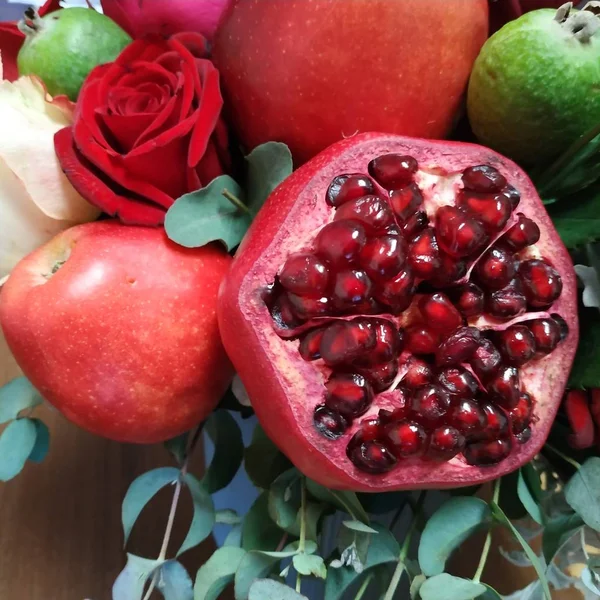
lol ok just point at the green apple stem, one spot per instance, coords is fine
(31, 23)
(236, 201)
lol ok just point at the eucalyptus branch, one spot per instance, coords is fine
(363, 587)
(562, 455)
(302, 542)
(488, 538)
(236, 201)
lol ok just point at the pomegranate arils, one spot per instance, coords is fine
(520, 415)
(487, 453)
(383, 257)
(424, 254)
(546, 334)
(422, 340)
(468, 417)
(351, 287)
(524, 436)
(507, 302)
(496, 422)
(329, 423)
(282, 311)
(493, 212)
(496, 269)
(458, 234)
(340, 242)
(439, 313)
(399, 400)
(392, 171)
(459, 347)
(373, 212)
(503, 388)
(304, 274)
(345, 341)
(348, 187)
(381, 376)
(516, 344)
(415, 224)
(372, 457)
(445, 443)
(485, 360)
(306, 308)
(397, 293)
(310, 345)
(348, 394)
(430, 403)
(542, 284)
(418, 373)
(457, 381)
(513, 194)
(524, 233)
(483, 179)
(449, 271)
(469, 299)
(407, 438)
(406, 201)
(388, 344)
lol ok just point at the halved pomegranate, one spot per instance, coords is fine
(403, 315)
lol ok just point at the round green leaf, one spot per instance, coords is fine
(358, 526)
(258, 531)
(284, 499)
(177, 446)
(234, 537)
(217, 572)
(227, 517)
(132, 580)
(267, 589)
(263, 461)
(490, 593)
(448, 528)
(16, 445)
(557, 532)
(254, 565)
(141, 491)
(450, 588)
(229, 451)
(347, 501)
(174, 582)
(15, 396)
(310, 565)
(204, 514)
(509, 499)
(583, 491)
(42, 442)
(528, 501)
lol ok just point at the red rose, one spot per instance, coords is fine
(147, 129)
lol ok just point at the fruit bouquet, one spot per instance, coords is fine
(364, 233)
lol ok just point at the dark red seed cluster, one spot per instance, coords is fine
(449, 389)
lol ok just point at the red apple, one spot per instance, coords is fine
(117, 327)
(309, 73)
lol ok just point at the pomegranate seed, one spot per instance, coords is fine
(496, 422)
(345, 341)
(373, 213)
(449, 272)
(457, 381)
(520, 415)
(468, 299)
(468, 417)
(458, 234)
(485, 360)
(508, 302)
(344, 188)
(546, 334)
(304, 274)
(307, 308)
(492, 212)
(372, 457)
(406, 201)
(370, 429)
(381, 376)
(513, 194)
(524, 436)
(310, 344)
(384, 256)
(424, 254)
(496, 269)
(399, 399)
(524, 233)
(422, 340)
(407, 438)
(487, 453)
(430, 403)
(439, 312)
(415, 224)
(516, 344)
(283, 314)
(564, 327)
(459, 347)
(348, 394)
(340, 242)
(329, 423)
(419, 373)
(388, 345)
(542, 284)
(503, 388)
(392, 171)
(351, 287)
(483, 179)
(398, 292)
(580, 419)
(445, 444)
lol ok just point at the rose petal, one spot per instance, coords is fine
(127, 129)
(11, 40)
(210, 166)
(145, 72)
(197, 44)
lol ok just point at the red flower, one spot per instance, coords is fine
(11, 40)
(147, 129)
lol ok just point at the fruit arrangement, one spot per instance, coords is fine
(309, 221)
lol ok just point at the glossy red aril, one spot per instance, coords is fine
(372, 323)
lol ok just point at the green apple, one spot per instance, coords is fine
(535, 87)
(64, 46)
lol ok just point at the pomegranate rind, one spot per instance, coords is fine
(279, 382)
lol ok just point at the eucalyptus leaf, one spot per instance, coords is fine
(263, 461)
(490, 593)
(15, 396)
(415, 586)
(17, 442)
(174, 582)
(310, 565)
(132, 580)
(528, 501)
(207, 215)
(204, 514)
(358, 526)
(258, 531)
(557, 532)
(353, 547)
(509, 500)
(448, 528)
(229, 451)
(217, 572)
(227, 516)
(312, 517)
(268, 165)
(267, 589)
(347, 501)
(234, 537)
(253, 566)
(177, 446)
(284, 499)
(585, 372)
(291, 550)
(449, 587)
(590, 581)
(141, 491)
(42, 442)
(583, 492)
(577, 219)
(532, 478)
